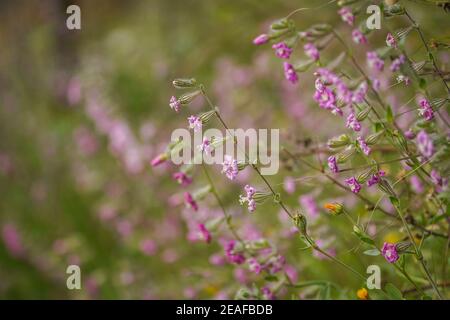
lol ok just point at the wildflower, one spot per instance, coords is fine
(254, 265)
(425, 144)
(395, 65)
(12, 240)
(440, 182)
(332, 164)
(261, 39)
(347, 15)
(275, 264)
(231, 255)
(363, 145)
(391, 41)
(195, 123)
(230, 167)
(326, 98)
(267, 293)
(205, 146)
(362, 294)
(290, 73)
(358, 37)
(374, 61)
(311, 51)
(376, 84)
(159, 159)
(402, 78)
(354, 185)
(174, 104)
(425, 110)
(282, 50)
(352, 122)
(182, 178)
(190, 202)
(389, 252)
(360, 93)
(409, 134)
(248, 198)
(204, 233)
(289, 185)
(334, 208)
(375, 178)
(416, 184)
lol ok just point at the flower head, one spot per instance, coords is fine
(230, 167)
(375, 178)
(332, 164)
(205, 146)
(174, 104)
(358, 37)
(334, 208)
(182, 178)
(311, 51)
(261, 39)
(159, 159)
(425, 144)
(232, 256)
(391, 41)
(354, 185)
(347, 15)
(374, 61)
(352, 122)
(389, 252)
(190, 202)
(290, 73)
(254, 265)
(248, 198)
(204, 233)
(396, 63)
(282, 50)
(362, 294)
(425, 110)
(363, 145)
(195, 123)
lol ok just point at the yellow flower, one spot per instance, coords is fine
(362, 294)
(334, 208)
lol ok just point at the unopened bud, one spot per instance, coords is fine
(402, 246)
(338, 142)
(345, 155)
(374, 137)
(184, 83)
(363, 114)
(189, 97)
(301, 223)
(362, 178)
(334, 208)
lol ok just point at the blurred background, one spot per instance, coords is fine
(83, 112)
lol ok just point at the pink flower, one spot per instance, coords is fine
(248, 198)
(148, 247)
(347, 15)
(425, 144)
(390, 40)
(275, 264)
(326, 98)
(182, 178)
(374, 61)
(440, 182)
(282, 50)
(311, 51)
(254, 265)
(289, 185)
(358, 37)
(409, 134)
(352, 122)
(159, 159)
(332, 164)
(425, 110)
(12, 240)
(230, 167)
(195, 123)
(190, 202)
(205, 146)
(360, 93)
(363, 145)
(231, 255)
(375, 178)
(267, 293)
(376, 84)
(174, 104)
(395, 65)
(289, 73)
(354, 185)
(416, 184)
(261, 39)
(389, 252)
(204, 233)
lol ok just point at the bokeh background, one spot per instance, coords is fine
(83, 112)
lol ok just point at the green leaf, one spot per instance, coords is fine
(271, 278)
(389, 114)
(372, 252)
(393, 292)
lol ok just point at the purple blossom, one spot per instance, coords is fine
(376, 178)
(391, 41)
(363, 145)
(425, 110)
(396, 63)
(204, 233)
(374, 61)
(289, 185)
(326, 98)
(376, 84)
(332, 164)
(309, 205)
(174, 104)
(353, 123)
(290, 73)
(12, 240)
(416, 184)
(311, 51)
(354, 185)
(190, 202)
(261, 39)
(347, 15)
(182, 178)
(205, 146)
(159, 159)
(440, 182)
(230, 167)
(360, 93)
(282, 50)
(248, 198)
(409, 134)
(267, 293)
(389, 252)
(358, 37)
(275, 264)
(195, 123)
(254, 265)
(425, 144)
(232, 256)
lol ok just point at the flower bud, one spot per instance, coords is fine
(362, 178)
(363, 114)
(184, 83)
(338, 142)
(206, 116)
(373, 138)
(394, 9)
(334, 208)
(345, 155)
(189, 97)
(301, 223)
(280, 24)
(402, 246)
